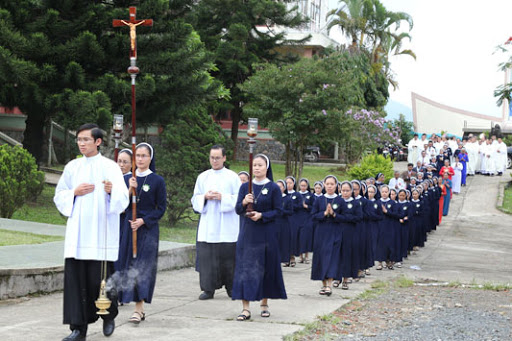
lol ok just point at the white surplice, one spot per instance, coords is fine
(413, 150)
(501, 157)
(219, 222)
(457, 177)
(89, 215)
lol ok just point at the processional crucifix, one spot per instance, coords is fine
(133, 70)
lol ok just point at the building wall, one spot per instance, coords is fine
(432, 117)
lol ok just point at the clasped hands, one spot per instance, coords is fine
(329, 211)
(213, 195)
(249, 199)
(86, 188)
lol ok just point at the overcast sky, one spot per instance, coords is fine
(454, 41)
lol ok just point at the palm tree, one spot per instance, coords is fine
(503, 92)
(352, 18)
(373, 30)
(391, 45)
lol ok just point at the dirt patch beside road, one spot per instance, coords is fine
(420, 313)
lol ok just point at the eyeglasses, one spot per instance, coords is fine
(84, 139)
(141, 156)
(123, 162)
(216, 158)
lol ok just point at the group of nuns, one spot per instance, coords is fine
(350, 225)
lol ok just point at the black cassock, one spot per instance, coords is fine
(82, 279)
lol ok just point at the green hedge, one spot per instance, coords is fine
(370, 166)
(19, 179)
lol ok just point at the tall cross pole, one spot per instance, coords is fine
(133, 70)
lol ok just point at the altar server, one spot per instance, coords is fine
(215, 195)
(92, 194)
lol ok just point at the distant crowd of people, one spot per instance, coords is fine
(476, 155)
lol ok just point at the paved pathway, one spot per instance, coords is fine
(473, 244)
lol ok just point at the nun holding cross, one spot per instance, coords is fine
(258, 275)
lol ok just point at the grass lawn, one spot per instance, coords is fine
(22, 238)
(312, 173)
(43, 210)
(507, 200)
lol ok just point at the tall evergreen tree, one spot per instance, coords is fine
(242, 33)
(57, 54)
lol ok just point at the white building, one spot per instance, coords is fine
(316, 11)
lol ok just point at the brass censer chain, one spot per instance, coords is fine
(103, 303)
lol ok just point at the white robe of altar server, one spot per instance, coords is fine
(413, 150)
(472, 149)
(397, 184)
(488, 163)
(457, 177)
(219, 222)
(501, 157)
(480, 147)
(89, 215)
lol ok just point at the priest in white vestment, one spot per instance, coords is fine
(413, 149)
(92, 193)
(215, 196)
(501, 157)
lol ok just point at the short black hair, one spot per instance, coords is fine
(96, 132)
(217, 147)
(410, 164)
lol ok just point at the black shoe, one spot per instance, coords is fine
(108, 327)
(206, 295)
(75, 336)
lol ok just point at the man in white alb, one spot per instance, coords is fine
(92, 193)
(215, 196)
(397, 182)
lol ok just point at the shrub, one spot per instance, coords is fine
(19, 179)
(370, 166)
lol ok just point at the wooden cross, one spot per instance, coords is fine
(132, 23)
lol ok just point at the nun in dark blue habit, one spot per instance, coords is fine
(352, 214)
(258, 275)
(360, 235)
(283, 226)
(124, 160)
(372, 213)
(415, 222)
(293, 221)
(405, 213)
(327, 241)
(303, 218)
(138, 275)
(388, 227)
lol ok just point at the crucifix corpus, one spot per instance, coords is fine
(133, 70)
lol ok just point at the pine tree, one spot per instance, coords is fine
(63, 58)
(234, 30)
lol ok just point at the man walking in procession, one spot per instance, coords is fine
(92, 194)
(215, 196)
